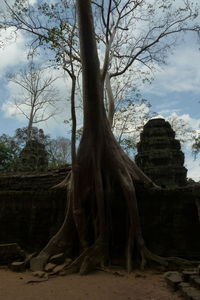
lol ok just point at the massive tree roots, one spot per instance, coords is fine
(101, 183)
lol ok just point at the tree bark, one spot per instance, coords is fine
(101, 167)
(111, 103)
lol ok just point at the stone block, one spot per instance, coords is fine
(195, 281)
(173, 279)
(159, 154)
(189, 272)
(188, 292)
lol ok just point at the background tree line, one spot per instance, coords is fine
(58, 149)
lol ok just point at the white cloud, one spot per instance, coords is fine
(168, 111)
(13, 52)
(181, 74)
(10, 110)
(193, 167)
(54, 125)
(194, 123)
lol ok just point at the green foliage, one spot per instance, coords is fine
(52, 24)
(58, 149)
(37, 134)
(4, 156)
(9, 151)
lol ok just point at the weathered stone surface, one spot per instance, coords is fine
(185, 282)
(189, 272)
(30, 218)
(33, 182)
(189, 292)
(33, 157)
(31, 212)
(159, 154)
(195, 281)
(173, 279)
(170, 221)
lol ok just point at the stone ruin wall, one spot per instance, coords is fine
(31, 212)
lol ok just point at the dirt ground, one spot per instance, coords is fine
(97, 286)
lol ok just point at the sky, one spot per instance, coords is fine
(175, 90)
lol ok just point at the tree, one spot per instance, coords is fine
(38, 97)
(100, 171)
(184, 132)
(4, 157)
(137, 35)
(196, 146)
(58, 152)
(53, 27)
(58, 149)
(133, 36)
(11, 147)
(128, 123)
(9, 151)
(21, 136)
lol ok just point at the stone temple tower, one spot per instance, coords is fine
(159, 154)
(33, 158)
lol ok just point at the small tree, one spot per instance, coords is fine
(5, 158)
(184, 132)
(9, 151)
(21, 136)
(38, 97)
(128, 123)
(58, 152)
(196, 146)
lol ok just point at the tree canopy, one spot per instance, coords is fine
(133, 37)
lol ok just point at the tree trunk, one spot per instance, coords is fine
(101, 167)
(30, 127)
(111, 104)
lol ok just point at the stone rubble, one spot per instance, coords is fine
(186, 283)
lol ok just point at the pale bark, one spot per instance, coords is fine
(111, 100)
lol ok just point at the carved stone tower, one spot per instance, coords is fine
(159, 154)
(33, 158)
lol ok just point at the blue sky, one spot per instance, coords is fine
(175, 90)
